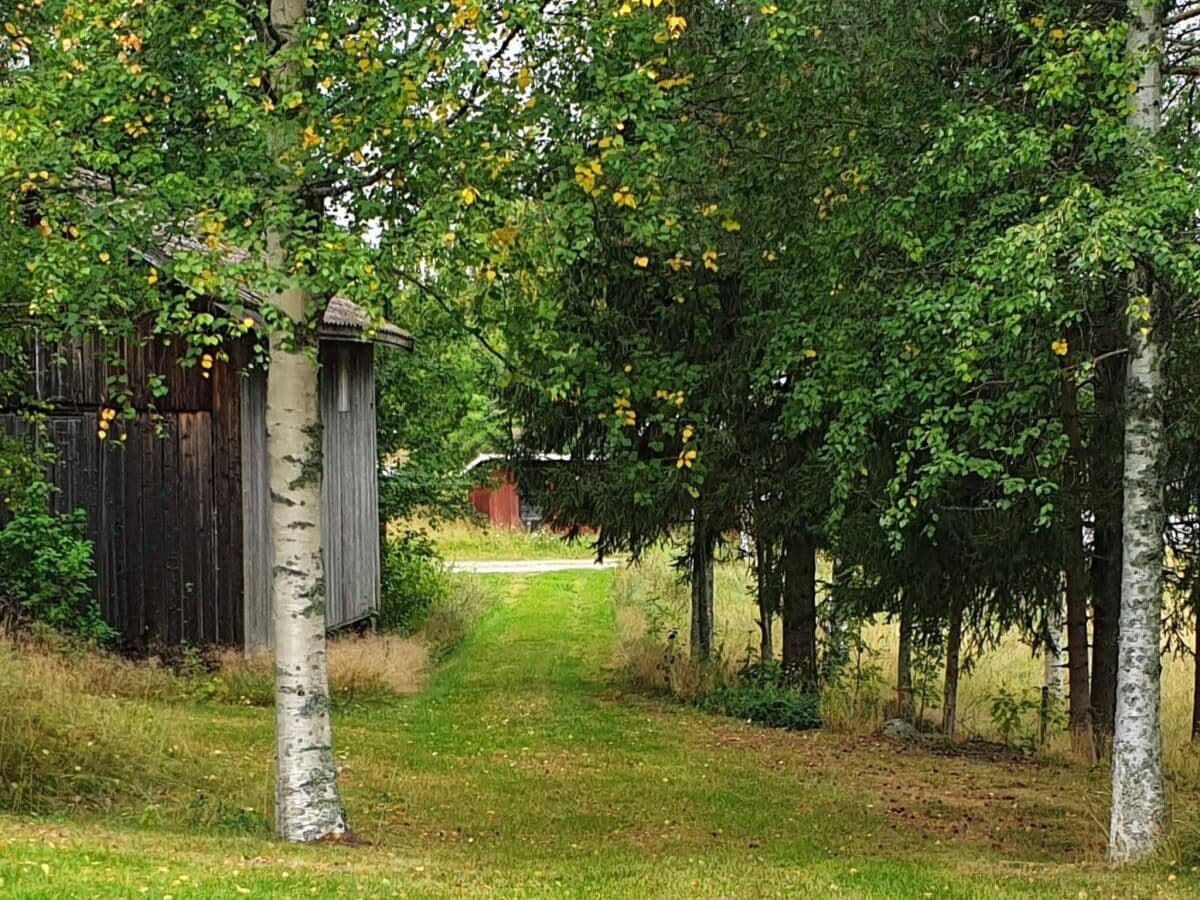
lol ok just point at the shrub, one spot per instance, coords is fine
(761, 693)
(414, 580)
(1023, 719)
(46, 569)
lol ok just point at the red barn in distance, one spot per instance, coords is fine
(497, 496)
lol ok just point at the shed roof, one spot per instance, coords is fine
(343, 320)
(485, 458)
(348, 321)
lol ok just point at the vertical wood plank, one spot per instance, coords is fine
(170, 582)
(258, 628)
(190, 579)
(153, 602)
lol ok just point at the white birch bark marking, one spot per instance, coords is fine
(1054, 657)
(1139, 802)
(307, 803)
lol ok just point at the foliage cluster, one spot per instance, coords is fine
(46, 573)
(413, 580)
(763, 693)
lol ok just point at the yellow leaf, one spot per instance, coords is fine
(731, 225)
(469, 195)
(624, 197)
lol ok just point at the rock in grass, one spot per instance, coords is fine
(899, 730)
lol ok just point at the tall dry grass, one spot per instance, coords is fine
(360, 666)
(82, 728)
(652, 602)
(66, 740)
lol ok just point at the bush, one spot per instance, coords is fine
(414, 580)
(761, 693)
(46, 572)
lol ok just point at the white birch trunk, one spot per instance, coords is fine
(1139, 802)
(307, 804)
(1055, 658)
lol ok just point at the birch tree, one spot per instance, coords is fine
(307, 804)
(1139, 812)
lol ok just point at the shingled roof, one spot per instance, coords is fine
(343, 319)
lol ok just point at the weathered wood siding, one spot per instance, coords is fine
(180, 514)
(164, 508)
(350, 500)
(256, 513)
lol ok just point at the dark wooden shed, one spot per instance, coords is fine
(179, 511)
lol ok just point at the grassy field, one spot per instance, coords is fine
(463, 539)
(522, 770)
(650, 599)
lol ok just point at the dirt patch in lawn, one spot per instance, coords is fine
(992, 799)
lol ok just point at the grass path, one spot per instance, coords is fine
(522, 771)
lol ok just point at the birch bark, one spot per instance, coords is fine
(1075, 572)
(1139, 801)
(308, 806)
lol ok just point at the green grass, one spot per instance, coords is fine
(463, 540)
(521, 771)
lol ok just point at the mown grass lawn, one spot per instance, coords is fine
(522, 770)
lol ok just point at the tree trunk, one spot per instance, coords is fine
(1196, 671)
(1052, 676)
(1079, 706)
(800, 609)
(1139, 814)
(767, 598)
(1079, 703)
(702, 592)
(1108, 504)
(308, 806)
(953, 652)
(904, 686)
